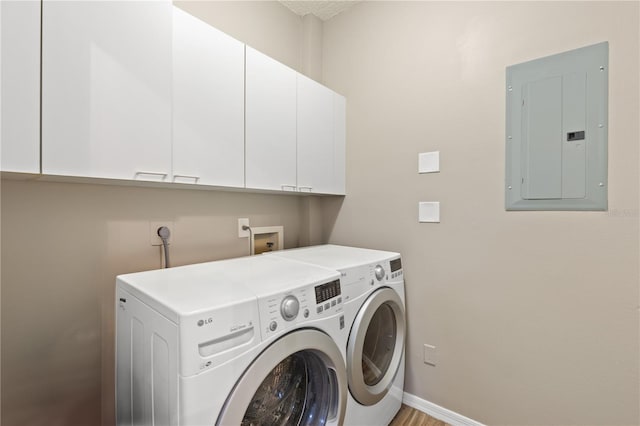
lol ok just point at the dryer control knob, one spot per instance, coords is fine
(289, 308)
(379, 270)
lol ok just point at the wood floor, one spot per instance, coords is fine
(408, 416)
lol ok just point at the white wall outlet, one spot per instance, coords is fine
(241, 232)
(154, 239)
(429, 162)
(429, 211)
(430, 354)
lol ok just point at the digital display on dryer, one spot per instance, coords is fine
(327, 291)
(396, 265)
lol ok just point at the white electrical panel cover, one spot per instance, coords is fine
(556, 131)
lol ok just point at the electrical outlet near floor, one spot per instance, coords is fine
(154, 239)
(430, 355)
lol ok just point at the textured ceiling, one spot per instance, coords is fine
(324, 10)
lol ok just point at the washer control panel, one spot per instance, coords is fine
(328, 295)
(327, 291)
(283, 311)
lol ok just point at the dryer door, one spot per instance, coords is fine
(298, 380)
(375, 346)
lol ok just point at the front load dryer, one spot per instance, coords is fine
(373, 288)
(235, 342)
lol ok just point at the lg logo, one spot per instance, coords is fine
(205, 321)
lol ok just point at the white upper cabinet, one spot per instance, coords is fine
(295, 130)
(339, 143)
(141, 90)
(315, 136)
(320, 138)
(106, 89)
(20, 86)
(208, 104)
(270, 123)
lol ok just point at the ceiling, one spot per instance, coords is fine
(323, 9)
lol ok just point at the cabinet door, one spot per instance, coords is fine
(316, 146)
(208, 104)
(270, 123)
(339, 143)
(20, 86)
(315, 136)
(106, 89)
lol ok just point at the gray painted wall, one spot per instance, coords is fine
(534, 314)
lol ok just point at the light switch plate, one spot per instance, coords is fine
(429, 211)
(429, 162)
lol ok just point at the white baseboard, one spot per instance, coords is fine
(438, 412)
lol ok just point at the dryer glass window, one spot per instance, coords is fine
(379, 344)
(300, 390)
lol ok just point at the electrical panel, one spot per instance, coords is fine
(556, 131)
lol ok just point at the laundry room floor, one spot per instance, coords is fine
(408, 416)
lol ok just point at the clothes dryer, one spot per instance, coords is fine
(373, 288)
(234, 342)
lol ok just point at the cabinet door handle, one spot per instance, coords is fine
(162, 175)
(289, 187)
(305, 188)
(195, 178)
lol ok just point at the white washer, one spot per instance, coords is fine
(233, 342)
(373, 288)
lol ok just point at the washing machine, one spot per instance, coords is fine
(249, 341)
(373, 286)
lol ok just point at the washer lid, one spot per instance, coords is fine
(186, 290)
(194, 289)
(268, 275)
(336, 257)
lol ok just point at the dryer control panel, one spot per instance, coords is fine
(388, 270)
(395, 268)
(362, 279)
(284, 311)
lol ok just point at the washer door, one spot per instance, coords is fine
(298, 380)
(375, 346)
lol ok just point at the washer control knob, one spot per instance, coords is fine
(289, 308)
(305, 313)
(379, 270)
(273, 325)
